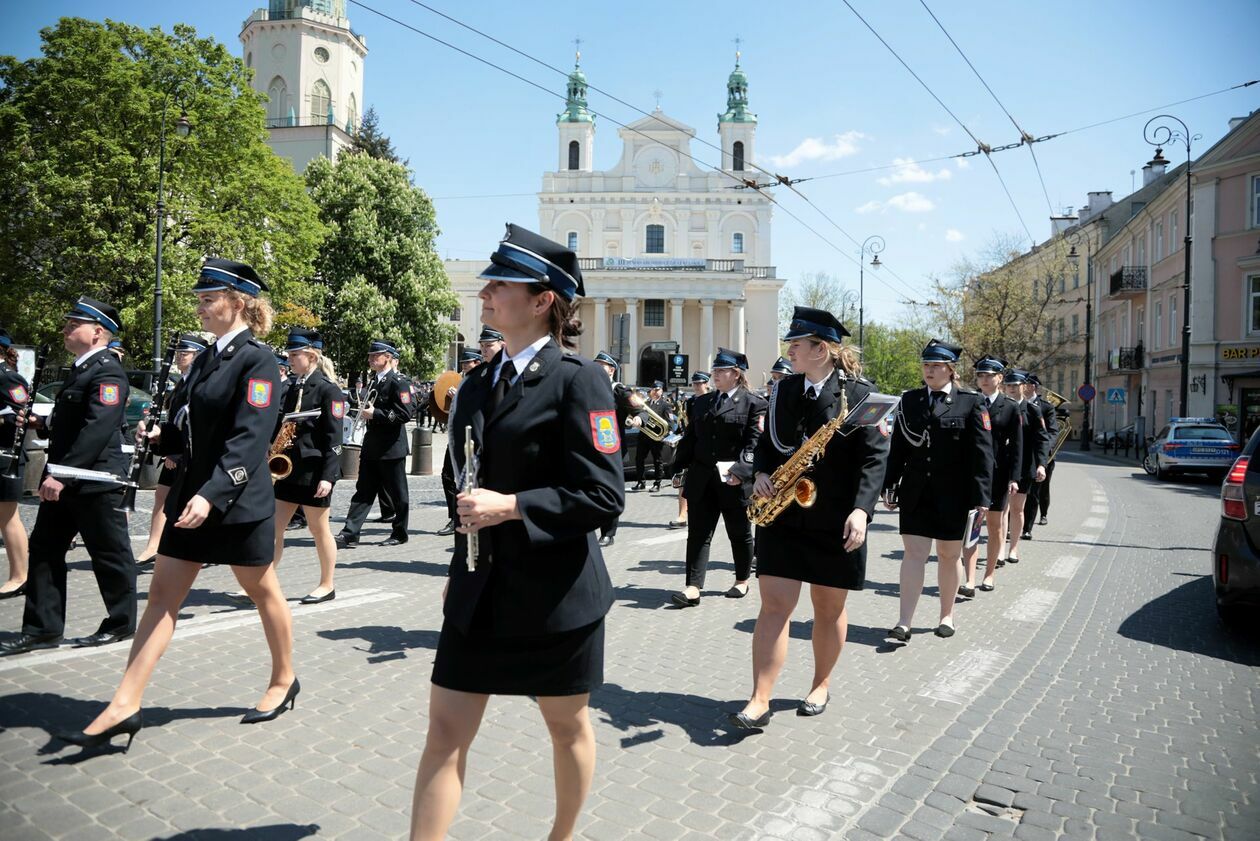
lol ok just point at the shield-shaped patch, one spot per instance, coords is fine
(259, 393)
(110, 394)
(604, 432)
(339, 409)
(18, 393)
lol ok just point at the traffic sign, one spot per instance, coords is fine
(1086, 392)
(678, 369)
(1115, 395)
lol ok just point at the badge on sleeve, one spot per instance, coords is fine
(18, 393)
(339, 409)
(405, 397)
(259, 394)
(604, 432)
(109, 394)
(984, 414)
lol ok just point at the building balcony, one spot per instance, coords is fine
(671, 264)
(1125, 360)
(1129, 282)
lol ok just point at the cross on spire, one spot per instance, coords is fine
(577, 48)
(738, 42)
(657, 93)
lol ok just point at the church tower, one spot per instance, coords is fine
(737, 128)
(576, 125)
(309, 63)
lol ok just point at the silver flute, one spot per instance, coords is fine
(470, 485)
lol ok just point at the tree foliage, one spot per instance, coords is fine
(820, 291)
(79, 148)
(370, 140)
(891, 355)
(379, 266)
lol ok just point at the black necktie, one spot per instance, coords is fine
(810, 394)
(506, 374)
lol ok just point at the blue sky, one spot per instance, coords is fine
(830, 99)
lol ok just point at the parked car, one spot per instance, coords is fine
(1191, 445)
(630, 438)
(1112, 437)
(1236, 551)
(138, 399)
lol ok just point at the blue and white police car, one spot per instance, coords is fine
(1191, 445)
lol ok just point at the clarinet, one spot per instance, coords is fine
(141, 453)
(14, 454)
(470, 485)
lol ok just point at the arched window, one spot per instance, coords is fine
(321, 101)
(737, 243)
(352, 116)
(575, 152)
(655, 239)
(737, 153)
(278, 106)
(573, 241)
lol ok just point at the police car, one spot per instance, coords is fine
(1191, 445)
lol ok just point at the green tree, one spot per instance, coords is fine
(370, 140)
(820, 291)
(891, 356)
(79, 138)
(379, 267)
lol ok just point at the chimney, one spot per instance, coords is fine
(1235, 122)
(1154, 167)
(1098, 201)
(1059, 224)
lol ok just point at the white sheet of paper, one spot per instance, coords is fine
(65, 471)
(42, 409)
(724, 469)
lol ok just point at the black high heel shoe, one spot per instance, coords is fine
(129, 726)
(290, 701)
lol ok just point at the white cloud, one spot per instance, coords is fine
(909, 172)
(817, 149)
(911, 202)
(943, 131)
(961, 163)
(953, 235)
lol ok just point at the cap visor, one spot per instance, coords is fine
(505, 273)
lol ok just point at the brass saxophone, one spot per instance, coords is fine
(790, 483)
(278, 463)
(1065, 426)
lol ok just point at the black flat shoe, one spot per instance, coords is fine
(605, 542)
(736, 593)
(394, 541)
(639, 486)
(310, 599)
(1001, 563)
(447, 530)
(656, 487)
(681, 600)
(1027, 535)
(677, 524)
(144, 562)
(344, 542)
(808, 708)
(13, 594)
(1013, 559)
(988, 588)
(290, 701)
(101, 638)
(741, 721)
(29, 642)
(968, 592)
(1043, 522)
(383, 519)
(129, 727)
(900, 633)
(943, 630)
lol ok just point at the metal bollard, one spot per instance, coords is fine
(421, 452)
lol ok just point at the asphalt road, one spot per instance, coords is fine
(1092, 695)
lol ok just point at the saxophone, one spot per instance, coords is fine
(790, 483)
(278, 463)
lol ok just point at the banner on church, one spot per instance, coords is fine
(654, 263)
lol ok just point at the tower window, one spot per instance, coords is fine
(278, 104)
(321, 101)
(737, 243)
(655, 239)
(575, 150)
(573, 241)
(321, 55)
(352, 116)
(737, 154)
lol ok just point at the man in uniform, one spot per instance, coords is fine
(1050, 421)
(85, 431)
(491, 342)
(657, 403)
(625, 410)
(381, 468)
(699, 386)
(781, 369)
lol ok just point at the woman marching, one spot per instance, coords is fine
(940, 469)
(824, 545)
(314, 452)
(190, 344)
(13, 397)
(220, 509)
(1032, 467)
(524, 614)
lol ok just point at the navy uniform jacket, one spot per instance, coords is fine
(850, 474)
(1008, 441)
(1046, 411)
(621, 394)
(386, 436)
(554, 442)
(954, 467)
(86, 426)
(14, 392)
(222, 421)
(713, 434)
(316, 438)
(1036, 441)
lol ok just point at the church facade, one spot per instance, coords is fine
(675, 259)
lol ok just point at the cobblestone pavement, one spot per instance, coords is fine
(1091, 695)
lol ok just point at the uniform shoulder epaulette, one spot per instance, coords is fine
(571, 356)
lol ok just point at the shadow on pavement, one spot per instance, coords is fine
(857, 634)
(643, 598)
(274, 832)
(422, 567)
(702, 719)
(385, 642)
(1185, 619)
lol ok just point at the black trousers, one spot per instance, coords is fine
(643, 449)
(379, 478)
(449, 490)
(1043, 490)
(610, 530)
(104, 532)
(1035, 498)
(702, 519)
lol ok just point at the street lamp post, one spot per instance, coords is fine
(872, 245)
(1075, 239)
(182, 128)
(1159, 136)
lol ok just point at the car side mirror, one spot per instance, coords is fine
(1150, 439)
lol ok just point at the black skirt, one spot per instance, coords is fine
(299, 486)
(814, 557)
(1026, 485)
(11, 489)
(566, 663)
(214, 542)
(166, 476)
(998, 495)
(937, 522)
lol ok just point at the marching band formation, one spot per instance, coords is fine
(534, 485)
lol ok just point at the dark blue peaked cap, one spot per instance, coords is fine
(469, 355)
(89, 309)
(990, 365)
(218, 274)
(525, 257)
(781, 366)
(1015, 376)
(1034, 379)
(300, 339)
(700, 377)
(383, 346)
(606, 358)
(938, 351)
(807, 321)
(5, 339)
(489, 334)
(191, 341)
(727, 358)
